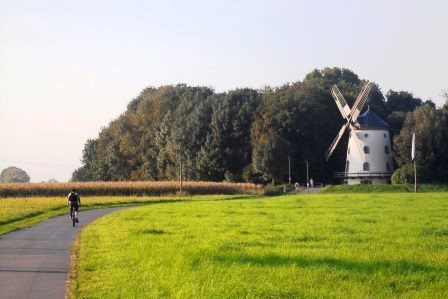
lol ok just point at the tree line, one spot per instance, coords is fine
(248, 135)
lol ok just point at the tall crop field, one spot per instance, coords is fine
(125, 188)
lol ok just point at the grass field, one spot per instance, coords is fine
(21, 212)
(312, 246)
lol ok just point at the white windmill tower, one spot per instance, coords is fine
(369, 158)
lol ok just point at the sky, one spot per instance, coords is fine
(68, 68)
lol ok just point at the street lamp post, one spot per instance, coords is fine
(181, 175)
(289, 168)
(307, 179)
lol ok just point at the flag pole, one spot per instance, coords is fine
(413, 159)
(415, 178)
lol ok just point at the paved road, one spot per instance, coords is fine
(34, 262)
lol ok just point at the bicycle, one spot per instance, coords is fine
(74, 201)
(74, 216)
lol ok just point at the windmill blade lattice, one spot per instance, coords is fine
(361, 100)
(344, 108)
(350, 115)
(336, 141)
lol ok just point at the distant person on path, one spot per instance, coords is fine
(312, 183)
(74, 201)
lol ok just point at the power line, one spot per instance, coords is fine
(39, 164)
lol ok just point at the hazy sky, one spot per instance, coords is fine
(67, 68)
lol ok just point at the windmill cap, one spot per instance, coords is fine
(369, 119)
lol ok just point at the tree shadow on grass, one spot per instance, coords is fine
(29, 215)
(395, 267)
(153, 232)
(133, 203)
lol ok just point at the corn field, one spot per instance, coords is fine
(125, 188)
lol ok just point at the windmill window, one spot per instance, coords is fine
(366, 166)
(366, 150)
(348, 150)
(386, 149)
(387, 166)
(366, 135)
(347, 166)
(385, 135)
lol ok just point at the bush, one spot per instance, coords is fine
(275, 190)
(272, 190)
(403, 175)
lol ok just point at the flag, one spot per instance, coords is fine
(413, 147)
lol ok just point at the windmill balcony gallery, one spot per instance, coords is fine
(366, 177)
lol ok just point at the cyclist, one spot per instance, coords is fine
(74, 201)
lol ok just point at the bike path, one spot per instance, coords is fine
(34, 262)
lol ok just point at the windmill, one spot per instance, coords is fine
(369, 158)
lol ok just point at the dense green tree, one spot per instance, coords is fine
(242, 134)
(402, 101)
(189, 129)
(398, 105)
(80, 175)
(271, 158)
(430, 126)
(227, 148)
(441, 145)
(91, 160)
(14, 174)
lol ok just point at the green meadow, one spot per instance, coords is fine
(295, 246)
(20, 212)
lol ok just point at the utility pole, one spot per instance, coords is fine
(307, 178)
(289, 168)
(181, 176)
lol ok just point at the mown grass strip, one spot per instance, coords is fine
(72, 278)
(322, 245)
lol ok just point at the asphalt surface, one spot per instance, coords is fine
(34, 262)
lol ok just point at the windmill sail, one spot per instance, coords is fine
(350, 115)
(336, 141)
(360, 101)
(413, 147)
(340, 102)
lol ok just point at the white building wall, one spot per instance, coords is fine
(377, 156)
